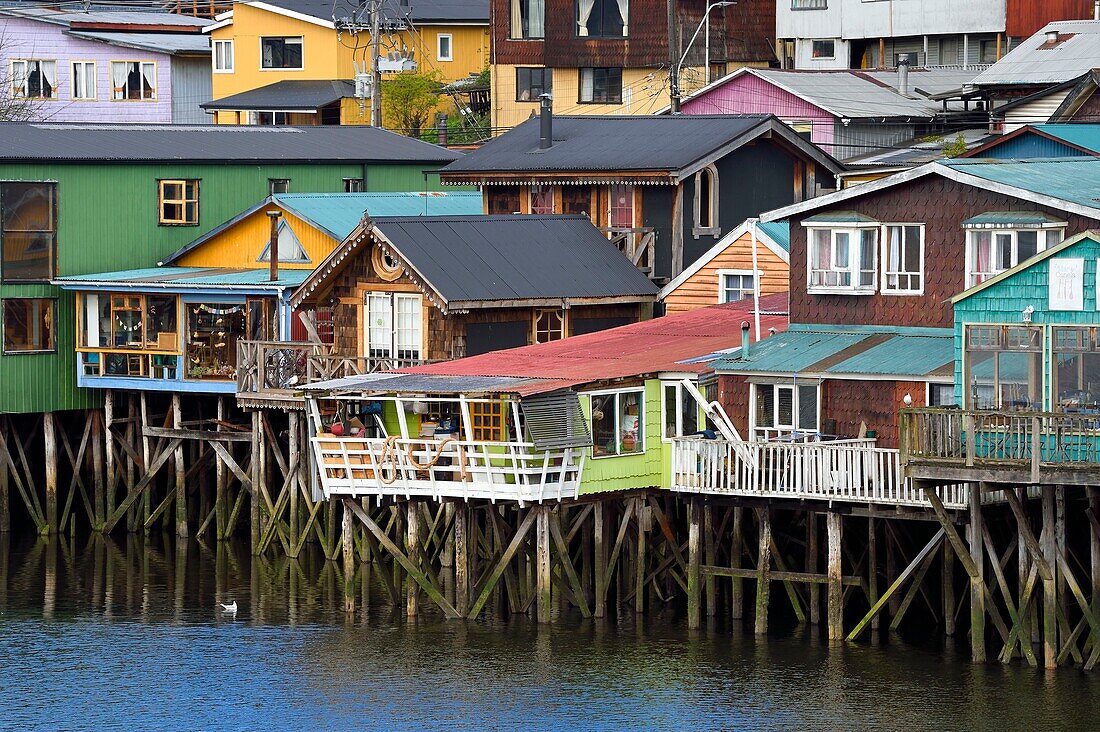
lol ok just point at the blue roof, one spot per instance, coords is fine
(777, 231)
(1075, 180)
(849, 350)
(1081, 135)
(182, 278)
(339, 213)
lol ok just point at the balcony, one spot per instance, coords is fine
(853, 471)
(1020, 448)
(638, 244)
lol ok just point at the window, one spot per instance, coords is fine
(809, 4)
(1004, 367)
(129, 321)
(28, 325)
(223, 57)
(542, 199)
(385, 264)
(903, 259)
(618, 423)
(602, 18)
(531, 83)
(823, 48)
(842, 260)
(443, 49)
(706, 202)
(1076, 369)
(354, 185)
(735, 285)
(941, 395)
(621, 203)
(34, 79)
(987, 52)
(281, 53)
(213, 330)
(261, 319)
(679, 410)
(290, 248)
(133, 80)
(179, 202)
(28, 231)
(278, 185)
(991, 251)
(601, 86)
(488, 422)
(394, 326)
(267, 118)
(784, 409)
(804, 129)
(84, 80)
(549, 325)
(527, 18)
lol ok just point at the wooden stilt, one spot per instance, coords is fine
(1050, 583)
(812, 566)
(221, 497)
(100, 501)
(542, 563)
(412, 548)
(977, 583)
(737, 594)
(710, 605)
(695, 549)
(833, 529)
(181, 473)
(108, 439)
(461, 557)
(763, 570)
(872, 566)
(642, 513)
(1094, 550)
(49, 427)
(348, 536)
(948, 593)
(5, 478)
(256, 480)
(891, 568)
(599, 527)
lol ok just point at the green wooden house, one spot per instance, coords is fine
(77, 199)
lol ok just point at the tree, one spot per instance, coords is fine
(408, 100)
(13, 108)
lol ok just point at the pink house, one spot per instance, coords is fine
(105, 65)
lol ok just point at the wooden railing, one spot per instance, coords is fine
(446, 467)
(1034, 441)
(324, 366)
(639, 244)
(843, 470)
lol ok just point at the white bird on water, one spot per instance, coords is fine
(230, 609)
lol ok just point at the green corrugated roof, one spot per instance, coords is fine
(849, 350)
(1076, 180)
(188, 277)
(1011, 218)
(777, 231)
(340, 213)
(1081, 135)
(840, 217)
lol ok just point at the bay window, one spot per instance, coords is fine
(618, 422)
(842, 260)
(394, 326)
(1004, 367)
(903, 259)
(784, 408)
(133, 80)
(680, 411)
(998, 241)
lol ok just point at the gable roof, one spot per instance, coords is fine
(1028, 263)
(1087, 143)
(134, 143)
(673, 146)
(487, 261)
(289, 95)
(337, 214)
(1069, 184)
(1037, 61)
(775, 235)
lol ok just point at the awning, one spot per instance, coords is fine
(412, 384)
(1012, 220)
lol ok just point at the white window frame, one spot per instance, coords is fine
(224, 43)
(1041, 244)
(681, 396)
(394, 345)
(723, 273)
(450, 55)
(25, 76)
(822, 40)
(141, 65)
(301, 42)
(777, 429)
(74, 75)
(884, 238)
(855, 245)
(618, 427)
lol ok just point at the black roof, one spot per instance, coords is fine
(664, 143)
(131, 143)
(290, 95)
(424, 11)
(478, 259)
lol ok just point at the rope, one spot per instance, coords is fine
(389, 452)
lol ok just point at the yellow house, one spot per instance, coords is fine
(289, 62)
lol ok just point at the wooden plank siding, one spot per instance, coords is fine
(702, 288)
(1025, 17)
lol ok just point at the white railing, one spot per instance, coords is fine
(844, 470)
(446, 467)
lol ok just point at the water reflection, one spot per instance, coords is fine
(128, 635)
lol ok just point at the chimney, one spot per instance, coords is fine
(744, 339)
(903, 74)
(1052, 36)
(546, 122)
(273, 244)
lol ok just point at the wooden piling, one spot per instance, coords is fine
(977, 583)
(542, 563)
(347, 531)
(461, 556)
(1048, 542)
(763, 569)
(180, 472)
(948, 590)
(49, 427)
(812, 566)
(710, 597)
(1094, 548)
(737, 593)
(695, 521)
(5, 478)
(872, 567)
(100, 497)
(833, 529)
(255, 477)
(412, 548)
(599, 526)
(642, 513)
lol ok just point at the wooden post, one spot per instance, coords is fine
(293, 461)
(894, 603)
(5, 478)
(977, 584)
(412, 546)
(737, 596)
(146, 458)
(834, 528)
(872, 566)
(599, 526)
(695, 520)
(641, 513)
(221, 509)
(462, 560)
(99, 507)
(812, 565)
(763, 570)
(1050, 584)
(181, 472)
(542, 562)
(49, 426)
(710, 605)
(948, 589)
(1094, 549)
(347, 530)
(255, 475)
(108, 439)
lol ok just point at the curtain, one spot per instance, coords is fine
(516, 20)
(624, 12)
(893, 255)
(983, 245)
(48, 69)
(584, 12)
(119, 72)
(149, 76)
(537, 10)
(586, 85)
(19, 78)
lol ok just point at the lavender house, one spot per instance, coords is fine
(105, 65)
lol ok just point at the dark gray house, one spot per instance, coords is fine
(665, 189)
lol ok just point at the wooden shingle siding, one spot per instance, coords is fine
(701, 289)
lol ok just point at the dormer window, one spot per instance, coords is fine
(999, 240)
(842, 255)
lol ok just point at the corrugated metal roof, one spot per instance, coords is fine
(673, 343)
(192, 44)
(841, 217)
(169, 277)
(993, 219)
(1081, 135)
(470, 11)
(849, 350)
(1076, 180)
(340, 213)
(777, 231)
(424, 384)
(124, 16)
(131, 143)
(478, 258)
(1037, 61)
(289, 95)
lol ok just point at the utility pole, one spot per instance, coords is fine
(375, 74)
(673, 58)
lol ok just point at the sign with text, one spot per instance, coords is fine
(1066, 286)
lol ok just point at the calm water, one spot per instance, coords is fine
(103, 635)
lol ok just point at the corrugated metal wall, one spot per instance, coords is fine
(1029, 145)
(1034, 113)
(191, 87)
(861, 138)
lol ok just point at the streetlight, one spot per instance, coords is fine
(674, 92)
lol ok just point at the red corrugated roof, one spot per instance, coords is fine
(651, 346)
